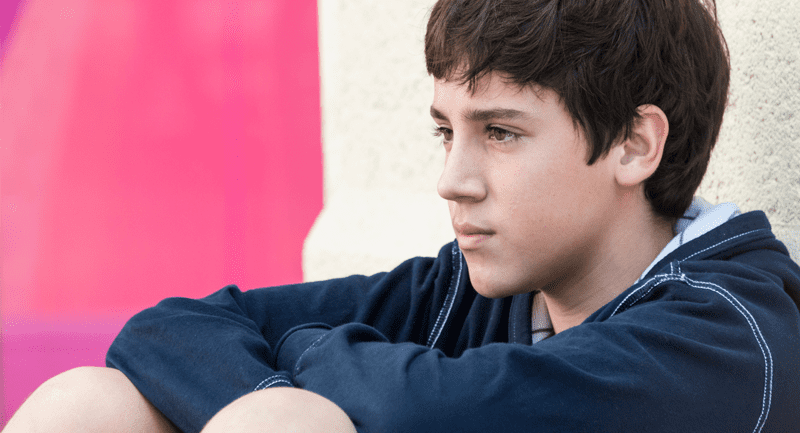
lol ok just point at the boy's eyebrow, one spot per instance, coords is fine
(477, 115)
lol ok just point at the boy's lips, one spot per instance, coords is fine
(466, 229)
(471, 236)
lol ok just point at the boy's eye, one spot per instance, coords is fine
(500, 134)
(440, 131)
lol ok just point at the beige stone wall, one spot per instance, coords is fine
(382, 164)
(381, 161)
(756, 163)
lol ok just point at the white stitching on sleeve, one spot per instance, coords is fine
(300, 358)
(766, 400)
(272, 380)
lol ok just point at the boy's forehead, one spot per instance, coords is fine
(491, 92)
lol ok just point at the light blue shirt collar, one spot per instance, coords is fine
(699, 219)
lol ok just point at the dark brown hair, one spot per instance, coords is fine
(604, 58)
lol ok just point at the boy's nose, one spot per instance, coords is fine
(461, 178)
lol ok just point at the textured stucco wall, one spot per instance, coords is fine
(381, 161)
(756, 163)
(382, 164)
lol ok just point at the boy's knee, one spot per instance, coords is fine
(85, 386)
(281, 410)
(85, 381)
(87, 399)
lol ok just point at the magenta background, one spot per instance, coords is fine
(147, 149)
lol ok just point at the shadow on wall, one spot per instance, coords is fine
(149, 149)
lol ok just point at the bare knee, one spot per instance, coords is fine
(281, 410)
(87, 399)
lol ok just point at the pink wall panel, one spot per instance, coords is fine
(148, 149)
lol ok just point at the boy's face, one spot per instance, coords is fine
(526, 209)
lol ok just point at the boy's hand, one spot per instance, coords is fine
(281, 410)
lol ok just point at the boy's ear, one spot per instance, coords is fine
(638, 156)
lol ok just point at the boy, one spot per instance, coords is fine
(587, 290)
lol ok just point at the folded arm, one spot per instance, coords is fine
(191, 358)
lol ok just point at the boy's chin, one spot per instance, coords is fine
(495, 289)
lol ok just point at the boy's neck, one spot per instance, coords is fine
(629, 245)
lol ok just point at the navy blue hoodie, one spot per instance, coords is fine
(707, 340)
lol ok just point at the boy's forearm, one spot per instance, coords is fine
(192, 358)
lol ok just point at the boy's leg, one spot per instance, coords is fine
(88, 399)
(281, 410)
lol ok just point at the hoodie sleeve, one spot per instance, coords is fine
(192, 357)
(647, 369)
